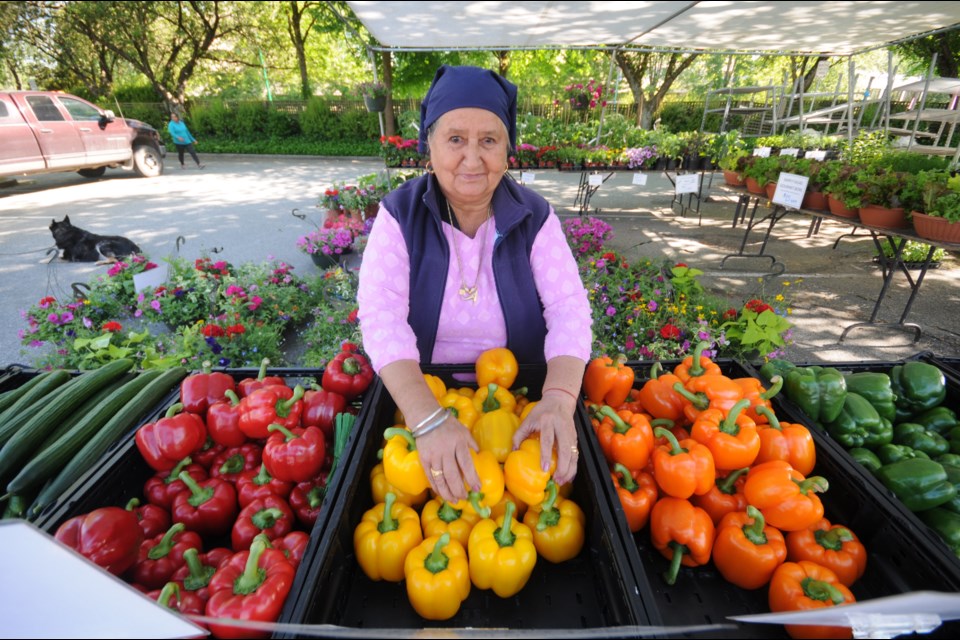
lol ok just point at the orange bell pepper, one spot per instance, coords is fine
(379, 487)
(625, 438)
(786, 441)
(557, 525)
(608, 381)
(632, 403)
(384, 536)
(708, 392)
(658, 397)
(799, 586)
(746, 550)
(696, 365)
(682, 468)
(637, 491)
(786, 498)
(725, 495)
(832, 546)
(681, 532)
(524, 477)
(439, 517)
(758, 395)
(497, 365)
(732, 440)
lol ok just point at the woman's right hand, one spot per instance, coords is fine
(445, 457)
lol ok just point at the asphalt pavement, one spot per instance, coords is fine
(240, 207)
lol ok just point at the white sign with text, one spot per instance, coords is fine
(762, 152)
(816, 154)
(789, 152)
(528, 177)
(790, 190)
(689, 183)
(640, 179)
(595, 180)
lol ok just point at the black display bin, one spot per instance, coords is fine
(595, 590)
(902, 558)
(950, 364)
(13, 376)
(122, 472)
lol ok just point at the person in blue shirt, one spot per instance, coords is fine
(183, 139)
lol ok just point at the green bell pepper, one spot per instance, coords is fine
(918, 386)
(818, 391)
(949, 459)
(953, 437)
(890, 453)
(946, 524)
(866, 458)
(940, 419)
(919, 484)
(953, 475)
(916, 436)
(859, 425)
(776, 367)
(876, 388)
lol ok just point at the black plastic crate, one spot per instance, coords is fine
(122, 472)
(950, 364)
(594, 590)
(901, 557)
(13, 376)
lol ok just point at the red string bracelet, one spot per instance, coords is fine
(561, 390)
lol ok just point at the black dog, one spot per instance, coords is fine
(78, 245)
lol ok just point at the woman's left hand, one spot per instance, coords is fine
(552, 418)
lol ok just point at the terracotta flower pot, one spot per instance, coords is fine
(754, 187)
(815, 200)
(883, 217)
(837, 208)
(733, 178)
(771, 188)
(936, 228)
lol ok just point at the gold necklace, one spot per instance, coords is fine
(468, 292)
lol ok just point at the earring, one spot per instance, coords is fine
(429, 167)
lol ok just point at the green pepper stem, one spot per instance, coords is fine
(776, 383)
(263, 477)
(263, 369)
(287, 434)
(490, 403)
(754, 531)
(662, 422)
(727, 485)
(388, 523)
(283, 406)
(199, 495)
(162, 548)
(729, 424)
(200, 574)
(438, 561)
(626, 480)
(252, 577)
(549, 514)
(266, 518)
(175, 472)
(447, 513)
(817, 484)
(233, 464)
(771, 418)
(316, 495)
(618, 424)
(698, 399)
(655, 370)
(696, 369)
(350, 366)
(675, 448)
(171, 590)
(173, 410)
(833, 539)
(504, 536)
(133, 504)
(820, 590)
(232, 397)
(206, 366)
(475, 497)
(393, 432)
(671, 574)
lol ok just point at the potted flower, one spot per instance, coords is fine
(843, 190)
(880, 204)
(941, 218)
(327, 245)
(569, 158)
(642, 157)
(547, 156)
(585, 96)
(586, 235)
(732, 165)
(374, 95)
(761, 172)
(527, 155)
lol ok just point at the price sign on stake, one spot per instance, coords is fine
(789, 152)
(528, 177)
(790, 190)
(816, 154)
(640, 179)
(689, 183)
(762, 152)
(595, 180)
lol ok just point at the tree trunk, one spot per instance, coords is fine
(389, 126)
(299, 40)
(639, 68)
(503, 61)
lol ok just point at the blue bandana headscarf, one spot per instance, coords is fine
(462, 87)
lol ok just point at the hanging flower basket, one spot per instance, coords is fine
(375, 104)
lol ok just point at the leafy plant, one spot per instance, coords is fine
(586, 235)
(758, 328)
(914, 251)
(882, 188)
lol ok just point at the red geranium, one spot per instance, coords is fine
(758, 306)
(730, 314)
(213, 331)
(670, 332)
(236, 329)
(112, 326)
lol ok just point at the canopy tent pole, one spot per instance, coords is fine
(851, 66)
(923, 99)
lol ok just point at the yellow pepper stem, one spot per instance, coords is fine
(438, 561)
(448, 513)
(504, 536)
(393, 432)
(490, 403)
(549, 514)
(388, 523)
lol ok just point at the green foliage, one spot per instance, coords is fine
(682, 116)
(210, 119)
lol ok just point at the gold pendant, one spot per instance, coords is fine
(468, 293)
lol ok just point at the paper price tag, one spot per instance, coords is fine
(595, 180)
(689, 183)
(640, 179)
(150, 279)
(790, 190)
(762, 152)
(816, 154)
(789, 152)
(528, 177)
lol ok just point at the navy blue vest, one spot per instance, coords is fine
(519, 214)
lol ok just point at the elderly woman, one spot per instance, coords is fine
(463, 259)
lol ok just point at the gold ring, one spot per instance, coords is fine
(574, 450)
(436, 473)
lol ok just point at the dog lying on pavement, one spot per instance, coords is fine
(79, 245)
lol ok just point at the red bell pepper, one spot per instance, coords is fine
(293, 545)
(348, 373)
(251, 585)
(258, 484)
(320, 408)
(271, 516)
(198, 569)
(173, 596)
(270, 405)
(164, 443)
(207, 507)
(306, 499)
(110, 537)
(153, 519)
(208, 452)
(200, 390)
(294, 455)
(234, 461)
(160, 556)
(248, 385)
(223, 421)
(164, 486)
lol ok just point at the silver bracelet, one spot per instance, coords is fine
(433, 425)
(426, 420)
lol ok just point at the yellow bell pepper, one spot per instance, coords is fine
(527, 408)
(437, 386)
(493, 397)
(497, 510)
(379, 488)
(502, 554)
(438, 578)
(494, 431)
(462, 408)
(557, 525)
(497, 365)
(522, 473)
(401, 462)
(439, 517)
(491, 485)
(385, 535)
(466, 392)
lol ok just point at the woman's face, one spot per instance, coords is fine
(468, 152)
(175, 117)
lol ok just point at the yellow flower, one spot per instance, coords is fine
(779, 297)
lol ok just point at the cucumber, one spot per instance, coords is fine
(124, 420)
(52, 458)
(7, 398)
(9, 423)
(84, 409)
(26, 440)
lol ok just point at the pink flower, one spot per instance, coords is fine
(255, 302)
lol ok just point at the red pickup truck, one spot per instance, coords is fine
(48, 131)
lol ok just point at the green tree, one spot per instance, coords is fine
(650, 75)
(918, 53)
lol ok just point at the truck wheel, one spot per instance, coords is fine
(147, 161)
(92, 173)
